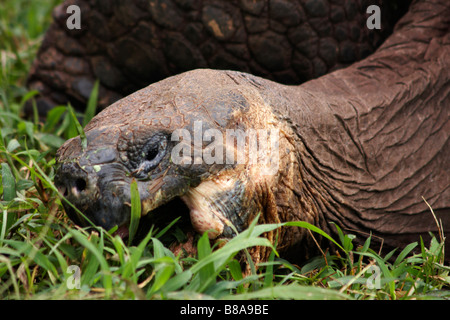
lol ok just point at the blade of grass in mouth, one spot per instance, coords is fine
(135, 210)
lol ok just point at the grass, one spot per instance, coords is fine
(44, 256)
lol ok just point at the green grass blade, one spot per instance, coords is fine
(8, 182)
(4, 224)
(92, 104)
(135, 211)
(158, 248)
(268, 277)
(164, 266)
(30, 94)
(91, 264)
(78, 127)
(166, 228)
(385, 271)
(292, 292)
(13, 144)
(12, 273)
(163, 273)
(120, 248)
(53, 118)
(178, 281)
(220, 256)
(83, 240)
(9, 193)
(402, 255)
(136, 254)
(207, 273)
(36, 255)
(306, 225)
(235, 269)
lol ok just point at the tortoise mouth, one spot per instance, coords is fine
(158, 219)
(214, 206)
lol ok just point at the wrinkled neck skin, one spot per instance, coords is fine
(373, 139)
(294, 194)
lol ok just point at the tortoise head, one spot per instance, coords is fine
(189, 137)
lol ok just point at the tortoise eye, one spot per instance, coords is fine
(152, 154)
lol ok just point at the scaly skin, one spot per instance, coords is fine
(358, 147)
(130, 44)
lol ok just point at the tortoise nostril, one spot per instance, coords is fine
(80, 184)
(71, 181)
(63, 190)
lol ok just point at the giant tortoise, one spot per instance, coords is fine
(360, 147)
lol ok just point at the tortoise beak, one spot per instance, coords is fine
(84, 179)
(83, 188)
